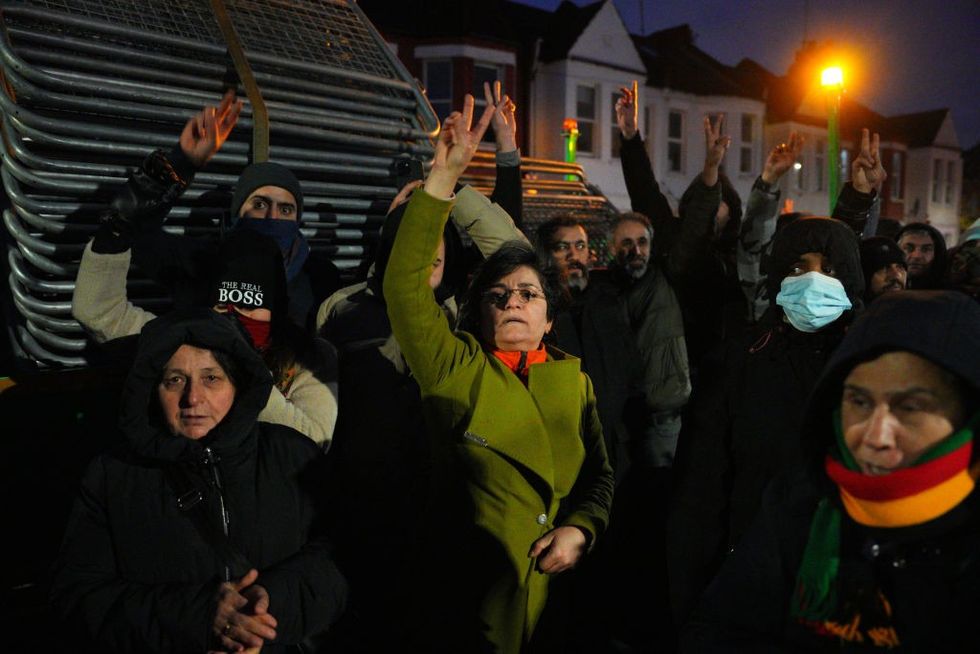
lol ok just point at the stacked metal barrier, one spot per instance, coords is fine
(92, 86)
(551, 189)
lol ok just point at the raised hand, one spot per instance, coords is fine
(782, 157)
(241, 618)
(206, 131)
(715, 146)
(504, 120)
(455, 148)
(867, 173)
(626, 111)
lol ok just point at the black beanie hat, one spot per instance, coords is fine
(248, 272)
(262, 174)
(878, 252)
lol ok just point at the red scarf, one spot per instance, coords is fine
(519, 362)
(258, 330)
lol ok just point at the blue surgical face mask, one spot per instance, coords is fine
(286, 234)
(812, 300)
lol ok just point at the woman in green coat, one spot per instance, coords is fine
(521, 485)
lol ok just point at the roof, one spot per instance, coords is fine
(562, 28)
(673, 61)
(785, 94)
(919, 129)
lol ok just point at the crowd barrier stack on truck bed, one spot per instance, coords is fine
(91, 86)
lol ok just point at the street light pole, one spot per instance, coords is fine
(832, 79)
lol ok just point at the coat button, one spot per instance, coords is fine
(542, 519)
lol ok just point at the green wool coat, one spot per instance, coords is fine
(510, 462)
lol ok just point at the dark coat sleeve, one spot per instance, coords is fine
(691, 261)
(746, 606)
(90, 592)
(854, 208)
(645, 194)
(508, 193)
(307, 592)
(697, 524)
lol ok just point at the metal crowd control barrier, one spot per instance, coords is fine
(92, 86)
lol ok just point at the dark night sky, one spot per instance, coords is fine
(908, 55)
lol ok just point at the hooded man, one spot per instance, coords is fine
(925, 254)
(884, 267)
(872, 544)
(741, 424)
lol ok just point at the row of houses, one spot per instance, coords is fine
(571, 63)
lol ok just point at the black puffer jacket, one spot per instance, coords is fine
(930, 572)
(740, 428)
(135, 573)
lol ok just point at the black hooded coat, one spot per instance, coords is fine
(740, 428)
(135, 573)
(930, 572)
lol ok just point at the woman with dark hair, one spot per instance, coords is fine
(876, 545)
(520, 483)
(199, 531)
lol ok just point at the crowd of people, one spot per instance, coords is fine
(751, 431)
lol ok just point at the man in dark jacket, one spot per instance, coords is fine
(740, 426)
(873, 544)
(925, 254)
(595, 328)
(199, 505)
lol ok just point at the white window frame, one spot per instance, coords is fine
(594, 146)
(820, 165)
(937, 180)
(679, 140)
(895, 176)
(748, 146)
(425, 80)
(950, 182)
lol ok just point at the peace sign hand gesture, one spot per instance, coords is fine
(455, 148)
(206, 131)
(867, 173)
(504, 120)
(716, 146)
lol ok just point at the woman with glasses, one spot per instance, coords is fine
(521, 485)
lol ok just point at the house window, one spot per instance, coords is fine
(745, 164)
(585, 112)
(937, 180)
(950, 180)
(799, 179)
(615, 140)
(820, 165)
(895, 176)
(488, 73)
(675, 141)
(439, 86)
